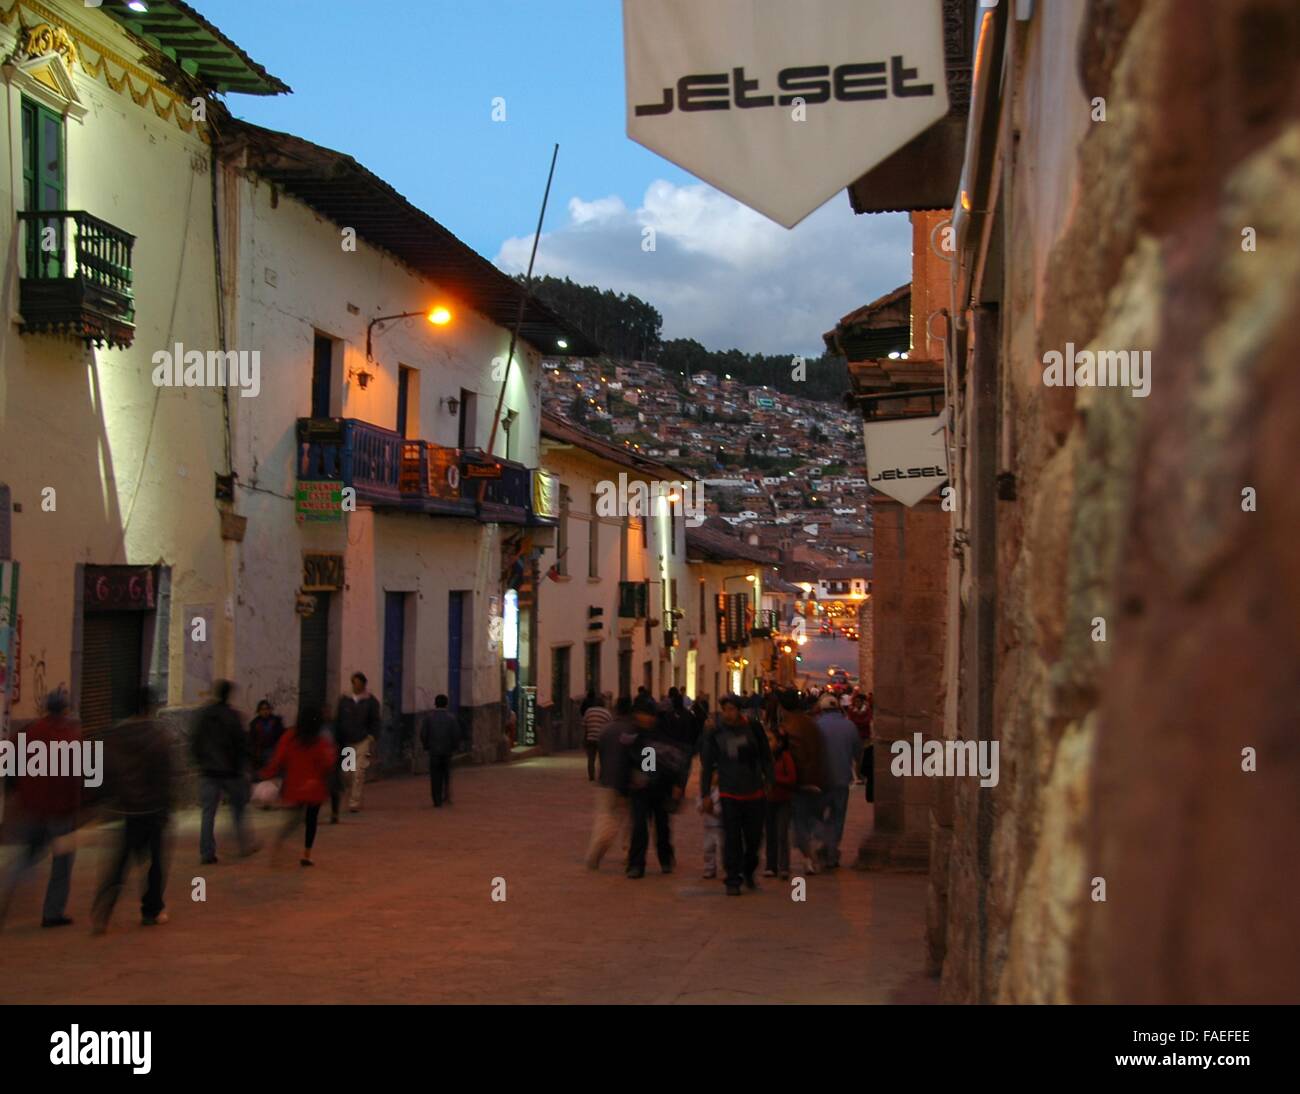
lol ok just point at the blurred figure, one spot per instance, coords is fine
(658, 779)
(710, 809)
(806, 749)
(860, 716)
(595, 718)
(305, 757)
(47, 816)
(737, 750)
(439, 733)
(616, 741)
(137, 787)
(264, 733)
(678, 723)
(221, 752)
(840, 748)
(356, 727)
(784, 780)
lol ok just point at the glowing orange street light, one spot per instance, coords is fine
(440, 316)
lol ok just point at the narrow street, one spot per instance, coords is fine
(399, 909)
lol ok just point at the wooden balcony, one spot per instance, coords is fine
(77, 277)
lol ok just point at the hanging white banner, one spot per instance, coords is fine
(781, 104)
(907, 458)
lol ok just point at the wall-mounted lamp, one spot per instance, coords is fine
(452, 403)
(363, 377)
(439, 316)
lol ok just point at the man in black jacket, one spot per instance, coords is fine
(138, 787)
(358, 730)
(439, 734)
(738, 751)
(221, 752)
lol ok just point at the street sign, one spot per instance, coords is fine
(781, 104)
(906, 457)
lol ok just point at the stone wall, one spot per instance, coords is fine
(1122, 759)
(909, 604)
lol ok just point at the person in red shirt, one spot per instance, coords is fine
(305, 757)
(47, 815)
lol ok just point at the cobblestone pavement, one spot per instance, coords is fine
(399, 909)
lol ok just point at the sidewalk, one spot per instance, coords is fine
(399, 909)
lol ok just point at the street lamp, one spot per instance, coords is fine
(439, 316)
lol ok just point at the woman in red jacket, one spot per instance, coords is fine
(306, 758)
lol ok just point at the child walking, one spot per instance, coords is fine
(305, 756)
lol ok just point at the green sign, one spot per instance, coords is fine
(319, 501)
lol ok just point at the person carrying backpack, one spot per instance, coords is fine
(737, 750)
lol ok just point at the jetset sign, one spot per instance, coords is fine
(782, 104)
(906, 458)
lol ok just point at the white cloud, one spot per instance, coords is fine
(721, 273)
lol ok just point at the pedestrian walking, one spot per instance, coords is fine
(439, 734)
(737, 751)
(595, 717)
(860, 716)
(840, 749)
(46, 807)
(221, 751)
(785, 778)
(711, 815)
(806, 749)
(616, 741)
(264, 733)
(305, 757)
(139, 788)
(356, 728)
(659, 769)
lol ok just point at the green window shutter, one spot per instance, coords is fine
(44, 186)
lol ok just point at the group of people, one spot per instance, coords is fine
(771, 772)
(320, 758)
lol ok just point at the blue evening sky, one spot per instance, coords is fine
(406, 87)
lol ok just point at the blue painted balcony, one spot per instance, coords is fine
(390, 471)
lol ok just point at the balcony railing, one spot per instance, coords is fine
(77, 277)
(765, 623)
(391, 471)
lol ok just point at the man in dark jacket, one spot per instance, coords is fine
(357, 728)
(47, 814)
(138, 788)
(659, 766)
(439, 734)
(737, 750)
(222, 752)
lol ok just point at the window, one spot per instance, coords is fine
(467, 433)
(404, 386)
(593, 541)
(622, 552)
(43, 185)
(704, 612)
(507, 428)
(322, 375)
(562, 535)
(592, 673)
